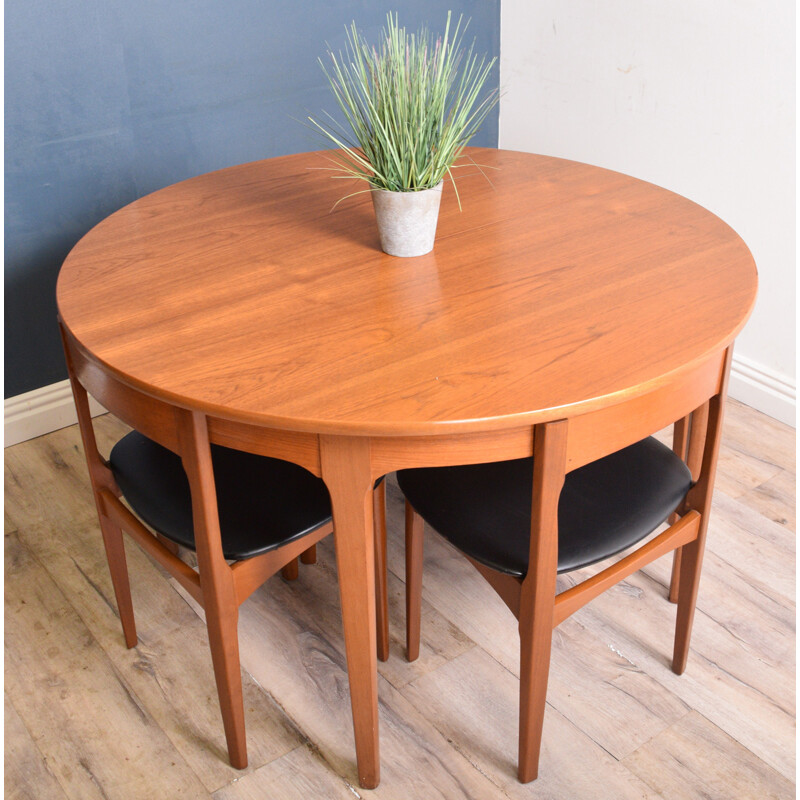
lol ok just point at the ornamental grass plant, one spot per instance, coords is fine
(412, 103)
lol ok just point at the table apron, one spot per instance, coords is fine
(592, 435)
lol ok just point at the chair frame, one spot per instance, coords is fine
(558, 447)
(219, 586)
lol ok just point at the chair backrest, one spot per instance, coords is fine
(182, 431)
(187, 433)
(696, 396)
(594, 435)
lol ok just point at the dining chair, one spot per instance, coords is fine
(592, 488)
(245, 514)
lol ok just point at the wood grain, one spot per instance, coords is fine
(538, 591)
(775, 499)
(170, 671)
(473, 701)
(737, 652)
(693, 751)
(530, 304)
(299, 775)
(55, 665)
(347, 473)
(26, 775)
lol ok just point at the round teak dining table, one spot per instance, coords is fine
(557, 291)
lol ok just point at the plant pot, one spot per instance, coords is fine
(407, 220)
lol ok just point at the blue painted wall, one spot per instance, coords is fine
(109, 100)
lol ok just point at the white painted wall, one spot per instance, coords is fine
(694, 95)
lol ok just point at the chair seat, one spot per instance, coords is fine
(263, 502)
(605, 506)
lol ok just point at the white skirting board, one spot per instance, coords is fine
(764, 389)
(42, 411)
(47, 409)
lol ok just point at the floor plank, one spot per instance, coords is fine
(474, 702)
(55, 466)
(775, 499)
(694, 759)
(299, 775)
(756, 448)
(170, 668)
(100, 742)
(734, 689)
(595, 688)
(26, 775)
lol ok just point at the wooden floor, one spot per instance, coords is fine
(86, 718)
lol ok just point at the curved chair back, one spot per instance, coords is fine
(593, 486)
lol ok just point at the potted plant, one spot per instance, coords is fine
(412, 104)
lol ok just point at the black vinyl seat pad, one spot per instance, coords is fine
(263, 502)
(605, 507)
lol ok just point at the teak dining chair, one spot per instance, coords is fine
(592, 489)
(245, 514)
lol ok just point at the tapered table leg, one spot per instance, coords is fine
(346, 471)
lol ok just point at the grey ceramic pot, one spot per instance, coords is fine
(407, 220)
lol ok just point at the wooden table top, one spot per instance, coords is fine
(558, 289)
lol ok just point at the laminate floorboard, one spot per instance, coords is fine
(85, 717)
(25, 772)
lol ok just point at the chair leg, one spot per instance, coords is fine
(291, 571)
(674, 581)
(690, 565)
(538, 591)
(381, 587)
(702, 460)
(680, 443)
(223, 636)
(536, 634)
(117, 566)
(414, 559)
(309, 556)
(216, 580)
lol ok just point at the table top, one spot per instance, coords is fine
(558, 289)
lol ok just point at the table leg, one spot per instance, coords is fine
(346, 472)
